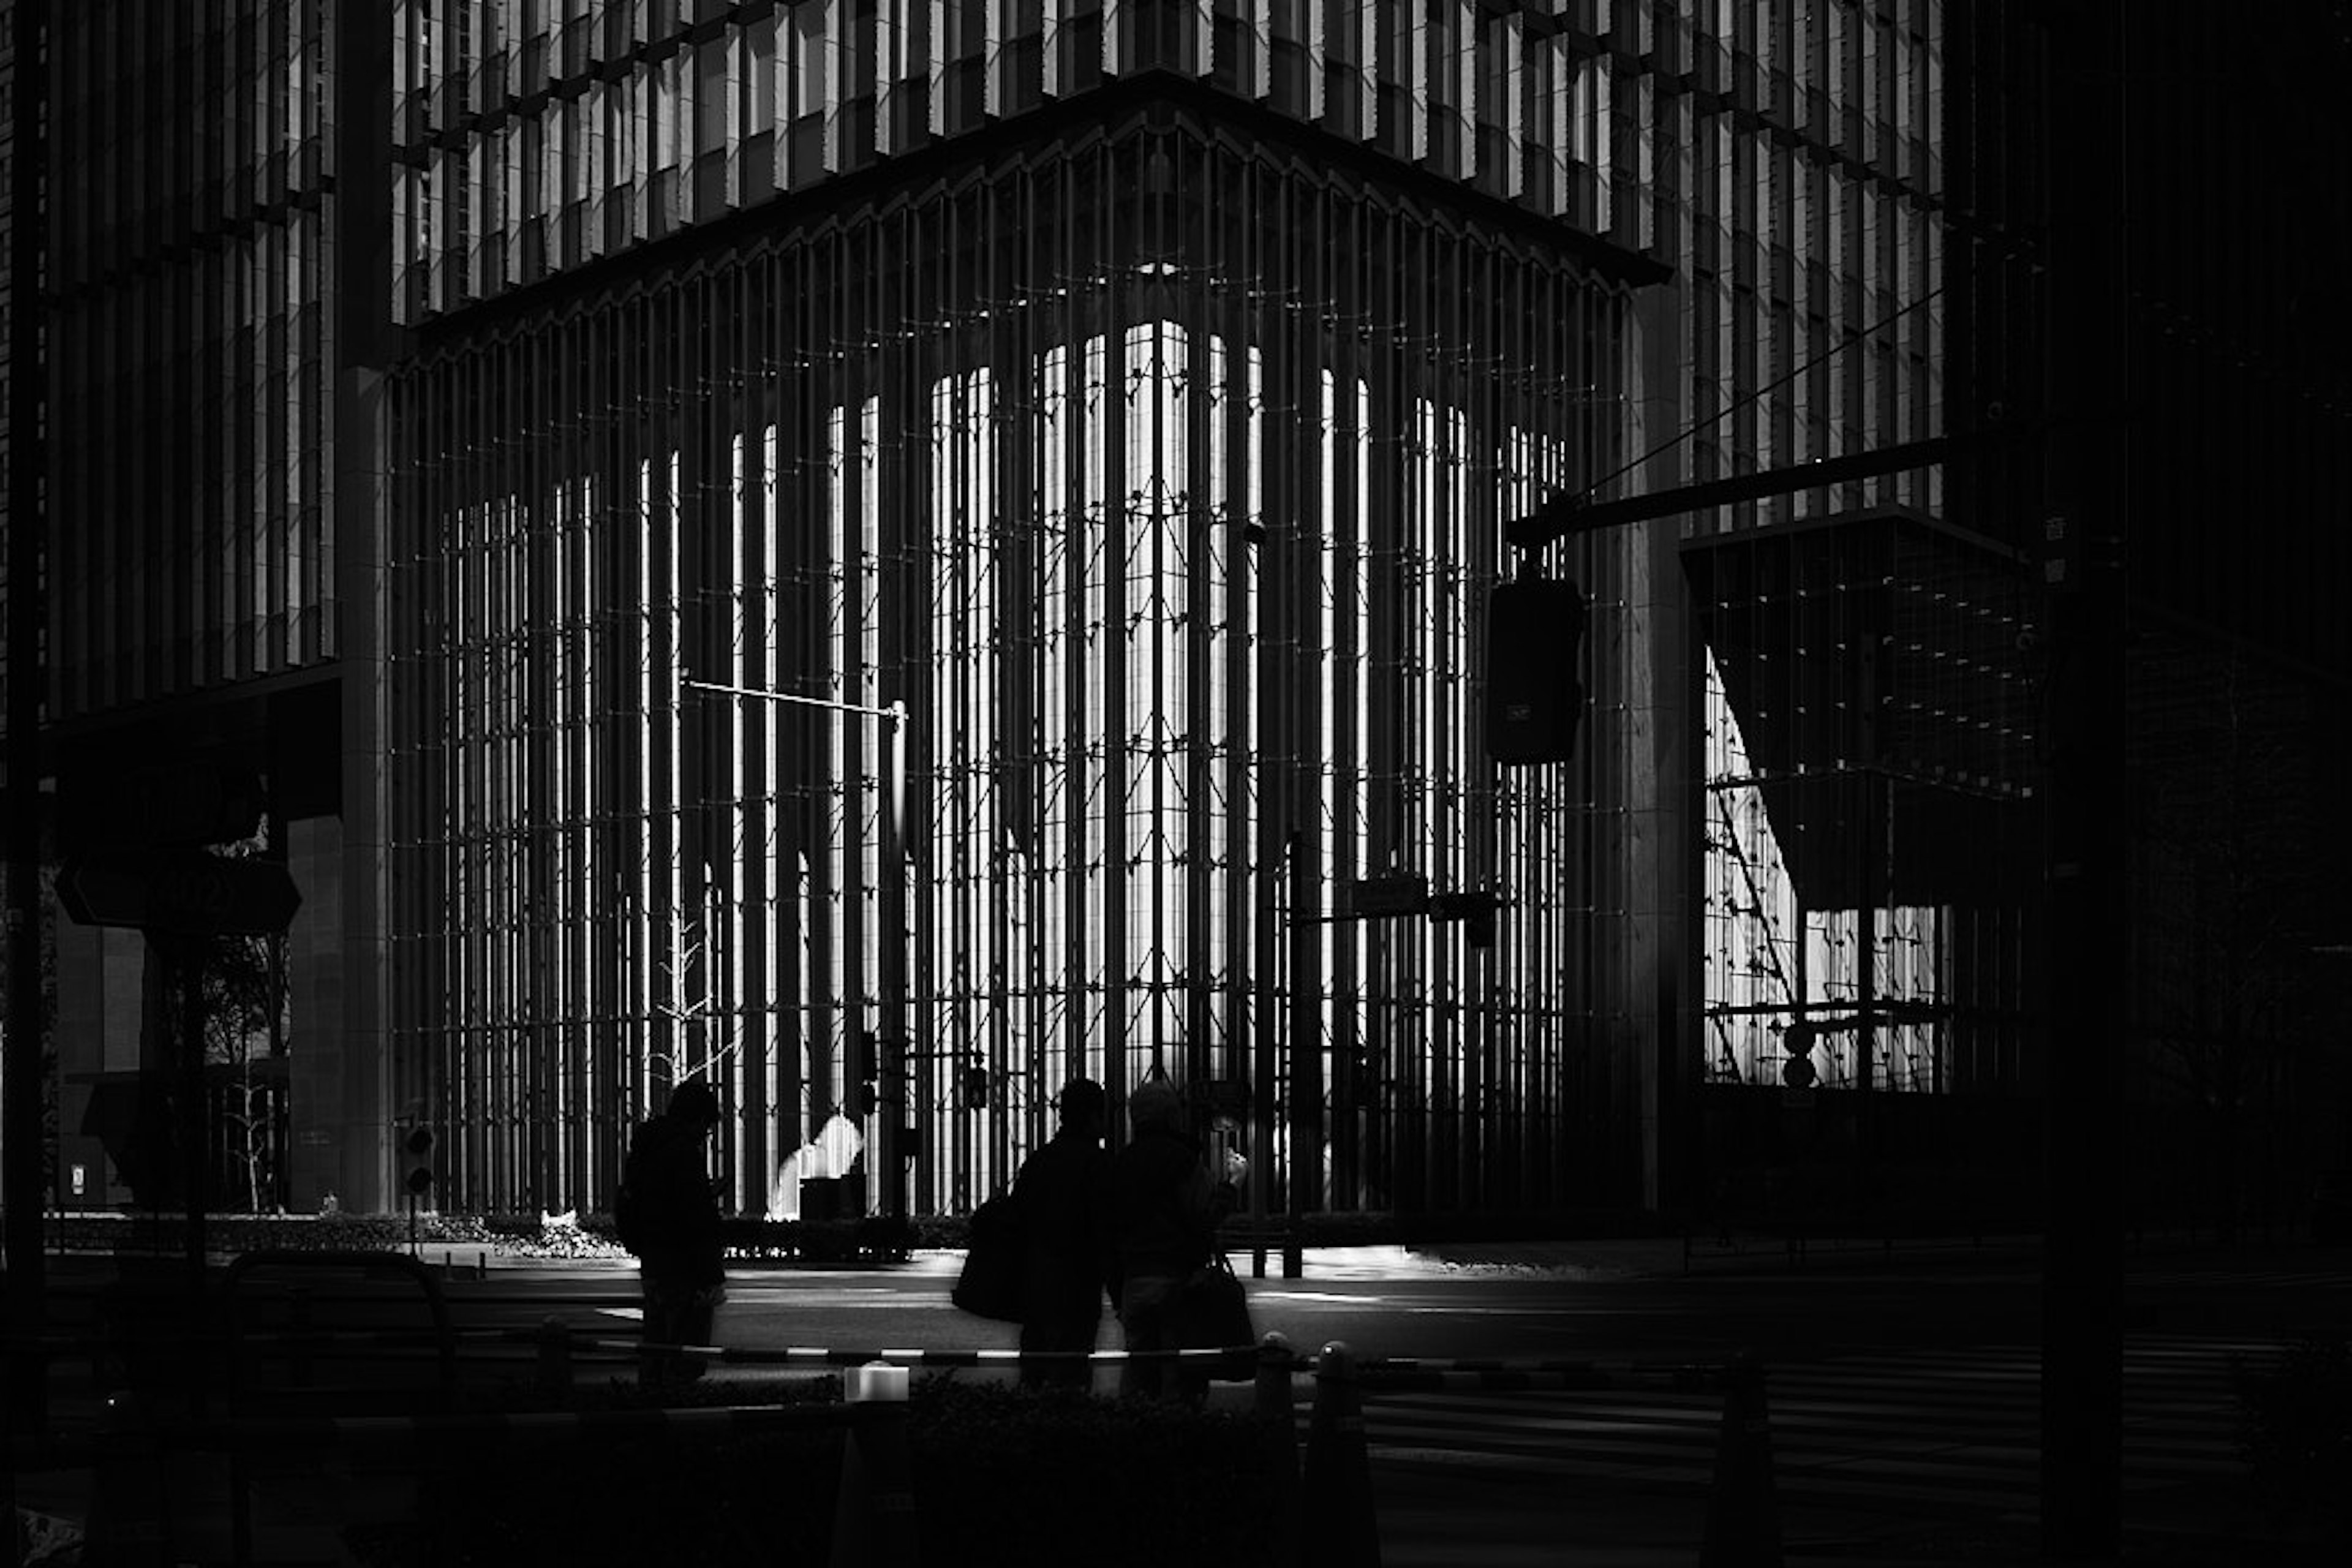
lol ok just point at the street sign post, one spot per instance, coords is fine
(186, 892)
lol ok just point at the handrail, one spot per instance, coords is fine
(752, 1355)
(1683, 1376)
(1463, 1371)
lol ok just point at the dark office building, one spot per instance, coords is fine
(952, 542)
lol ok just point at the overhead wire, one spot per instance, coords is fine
(1718, 415)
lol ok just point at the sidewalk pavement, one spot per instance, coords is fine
(1631, 1258)
(1595, 1258)
(1749, 1255)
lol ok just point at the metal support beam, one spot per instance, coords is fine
(1571, 514)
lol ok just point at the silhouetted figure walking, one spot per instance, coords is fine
(1070, 1252)
(667, 1214)
(1167, 1210)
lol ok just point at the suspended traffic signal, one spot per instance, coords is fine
(1534, 634)
(975, 1089)
(1476, 911)
(419, 1144)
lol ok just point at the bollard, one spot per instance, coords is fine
(874, 1521)
(1743, 1517)
(1273, 1397)
(298, 1322)
(127, 1525)
(554, 1355)
(1277, 1412)
(1337, 1527)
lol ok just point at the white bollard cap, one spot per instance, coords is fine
(876, 1380)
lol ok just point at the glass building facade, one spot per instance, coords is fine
(1136, 393)
(191, 273)
(583, 426)
(1176, 581)
(474, 417)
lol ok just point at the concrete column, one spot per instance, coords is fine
(336, 1137)
(341, 865)
(1657, 771)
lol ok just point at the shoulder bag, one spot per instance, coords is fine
(1212, 1310)
(990, 1285)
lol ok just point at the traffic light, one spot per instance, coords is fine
(1535, 632)
(419, 1145)
(1476, 911)
(1796, 1041)
(861, 1072)
(975, 1089)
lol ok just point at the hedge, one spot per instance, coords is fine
(1003, 1476)
(2295, 1427)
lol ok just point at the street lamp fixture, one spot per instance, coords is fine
(891, 1037)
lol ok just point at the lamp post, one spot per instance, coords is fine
(890, 1038)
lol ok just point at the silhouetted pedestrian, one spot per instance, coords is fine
(667, 1214)
(1168, 1208)
(1070, 1252)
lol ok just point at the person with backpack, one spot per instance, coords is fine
(667, 1214)
(1069, 1254)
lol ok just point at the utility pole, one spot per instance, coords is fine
(2084, 527)
(24, 1086)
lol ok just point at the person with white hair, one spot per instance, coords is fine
(1167, 1205)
